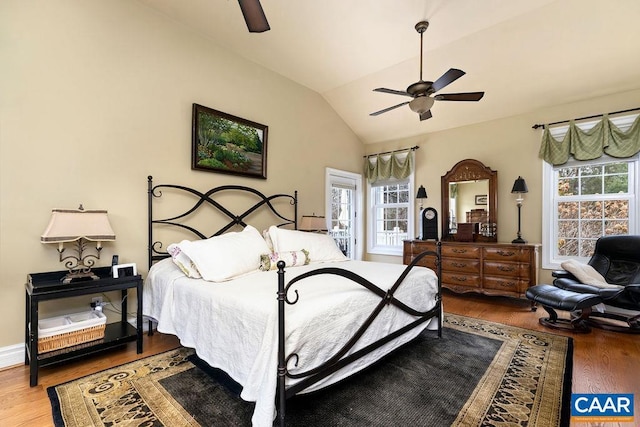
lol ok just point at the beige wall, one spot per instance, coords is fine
(509, 146)
(96, 95)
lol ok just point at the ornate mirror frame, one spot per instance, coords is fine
(470, 170)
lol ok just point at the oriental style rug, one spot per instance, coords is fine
(478, 374)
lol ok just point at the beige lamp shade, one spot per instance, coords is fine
(313, 223)
(69, 225)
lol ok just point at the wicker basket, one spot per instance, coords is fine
(69, 330)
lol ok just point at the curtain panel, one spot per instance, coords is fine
(382, 167)
(603, 138)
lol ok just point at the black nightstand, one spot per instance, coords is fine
(47, 286)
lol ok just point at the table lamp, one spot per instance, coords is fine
(78, 227)
(519, 188)
(313, 223)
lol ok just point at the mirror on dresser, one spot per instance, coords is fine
(469, 203)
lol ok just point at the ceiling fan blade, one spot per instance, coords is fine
(447, 78)
(468, 96)
(389, 109)
(254, 16)
(426, 115)
(391, 91)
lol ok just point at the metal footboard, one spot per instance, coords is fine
(341, 359)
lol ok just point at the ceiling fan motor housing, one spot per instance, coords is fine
(420, 88)
(422, 26)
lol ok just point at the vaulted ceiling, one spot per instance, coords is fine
(524, 54)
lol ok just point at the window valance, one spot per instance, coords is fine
(603, 138)
(398, 165)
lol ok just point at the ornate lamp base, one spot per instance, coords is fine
(79, 276)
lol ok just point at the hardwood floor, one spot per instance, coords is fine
(21, 405)
(603, 362)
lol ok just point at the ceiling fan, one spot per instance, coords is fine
(254, 16)
(421, 91)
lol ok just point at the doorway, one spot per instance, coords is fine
(344, 202)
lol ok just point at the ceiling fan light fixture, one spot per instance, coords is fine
(421, 104)
(421, 90)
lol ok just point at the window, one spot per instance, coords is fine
(344, 195)
(390, 216)
(588, 199)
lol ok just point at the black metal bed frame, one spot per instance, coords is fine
(341, 358)
(154, 254)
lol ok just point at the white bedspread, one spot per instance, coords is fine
(233, 325)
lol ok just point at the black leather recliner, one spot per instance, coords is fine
(617, 259)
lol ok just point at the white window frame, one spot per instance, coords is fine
(549, 192)
(394, 250)
(338, 177)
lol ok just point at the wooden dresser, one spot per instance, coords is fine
(487, 268)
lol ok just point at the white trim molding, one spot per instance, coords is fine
(11, 356)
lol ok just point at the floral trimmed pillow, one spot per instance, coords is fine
(267, 238)
(183, 261)
(290, 258)
(321, 246)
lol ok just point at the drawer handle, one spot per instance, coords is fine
(505, 253)
(508, 285)
(505, 268)
(459, 264)
(459, 251)
(459, 278)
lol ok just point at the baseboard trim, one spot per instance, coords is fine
(11, 356)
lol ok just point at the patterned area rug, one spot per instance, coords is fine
(479, 374)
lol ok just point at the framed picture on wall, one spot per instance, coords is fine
(228, 144)
(481, 199)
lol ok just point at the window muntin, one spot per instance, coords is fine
(342, 218)
(391, 205)
(343, 206)
(584, 198)
(591, 200)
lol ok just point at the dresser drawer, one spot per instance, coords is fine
(461, 251)
(511, 269)
(461, 265)
(506, 254)
(428, 261)
(505, 284)
(461, 279)
(481, 267)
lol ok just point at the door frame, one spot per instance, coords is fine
(336, 176)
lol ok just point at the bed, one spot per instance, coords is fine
(300, 319)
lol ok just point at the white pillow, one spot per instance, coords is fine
(267, 238)
(229, 255)
(321, 247)
(183, 261)
(586, 274)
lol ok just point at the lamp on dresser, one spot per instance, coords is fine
(78, 227)
(422, 194)
(519, 188)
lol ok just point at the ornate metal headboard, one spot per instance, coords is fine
(208, 198)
